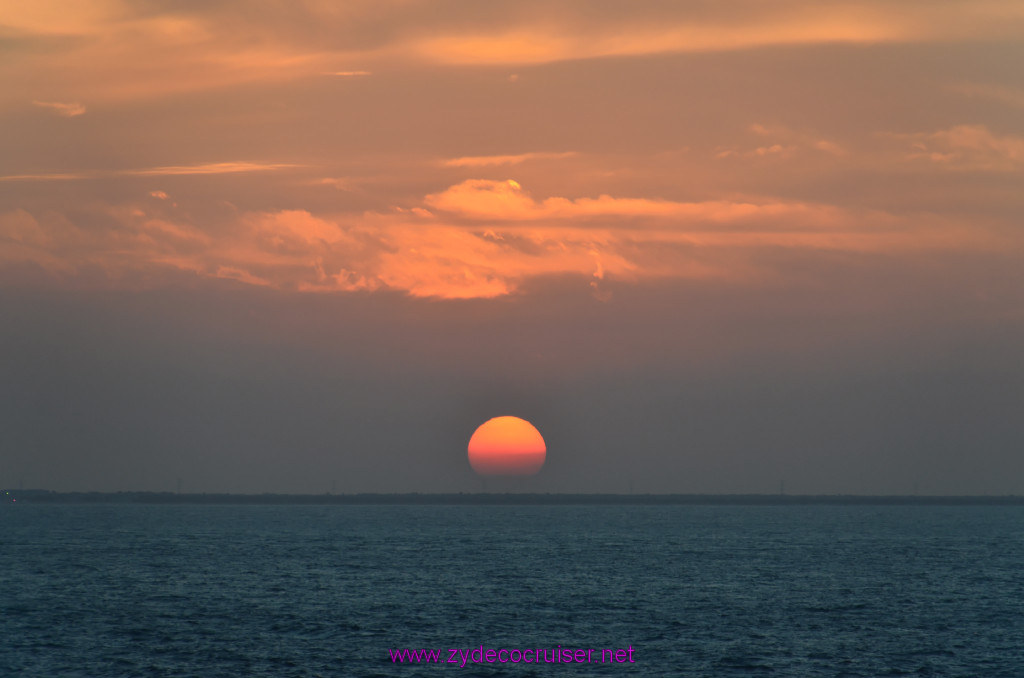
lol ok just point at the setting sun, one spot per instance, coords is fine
(507, 446)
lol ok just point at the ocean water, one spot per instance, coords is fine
(128, 590)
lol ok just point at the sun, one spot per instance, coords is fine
(507, 446)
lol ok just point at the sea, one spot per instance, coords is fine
(252, 591)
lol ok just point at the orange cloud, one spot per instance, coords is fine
(173, 170)
(123, 51)
(748, 26)
(118, 52)
(56, 176)
(210, 168)
(478, 239)
(487, 160)
(483, 199)
(70, 110)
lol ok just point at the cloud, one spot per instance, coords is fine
(20, 227)
(338, 183)
(122, 51)
(1011, 96)
(487, 160)
(210, 168)
(965, 147)
(483, 199)
(171, 170)
(783, 143)
(126, 51)
(476, 239)
(67, 110)
(748, 25)
(533, 46)
(56, 176)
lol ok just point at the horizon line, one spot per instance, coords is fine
(521, 498)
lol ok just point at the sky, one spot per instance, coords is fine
(705, 247)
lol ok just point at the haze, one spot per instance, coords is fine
(703, 247)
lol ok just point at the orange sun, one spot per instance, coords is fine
(507, 446)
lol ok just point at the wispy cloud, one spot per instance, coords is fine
(56, 176)
(778, 141)
(338, 183)
(68, 110)
(125, 52)
(965, 147)
(483, 199)
(170, 170)
(211, 168)
(748, 25)
(120, 52)
(1011, 96)
(537, 46)
(486, 160)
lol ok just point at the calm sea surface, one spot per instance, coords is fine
(126, 590)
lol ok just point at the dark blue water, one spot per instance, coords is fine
(122, 590)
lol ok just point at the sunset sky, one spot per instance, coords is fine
(703, 246)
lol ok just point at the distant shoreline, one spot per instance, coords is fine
(504, 499)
